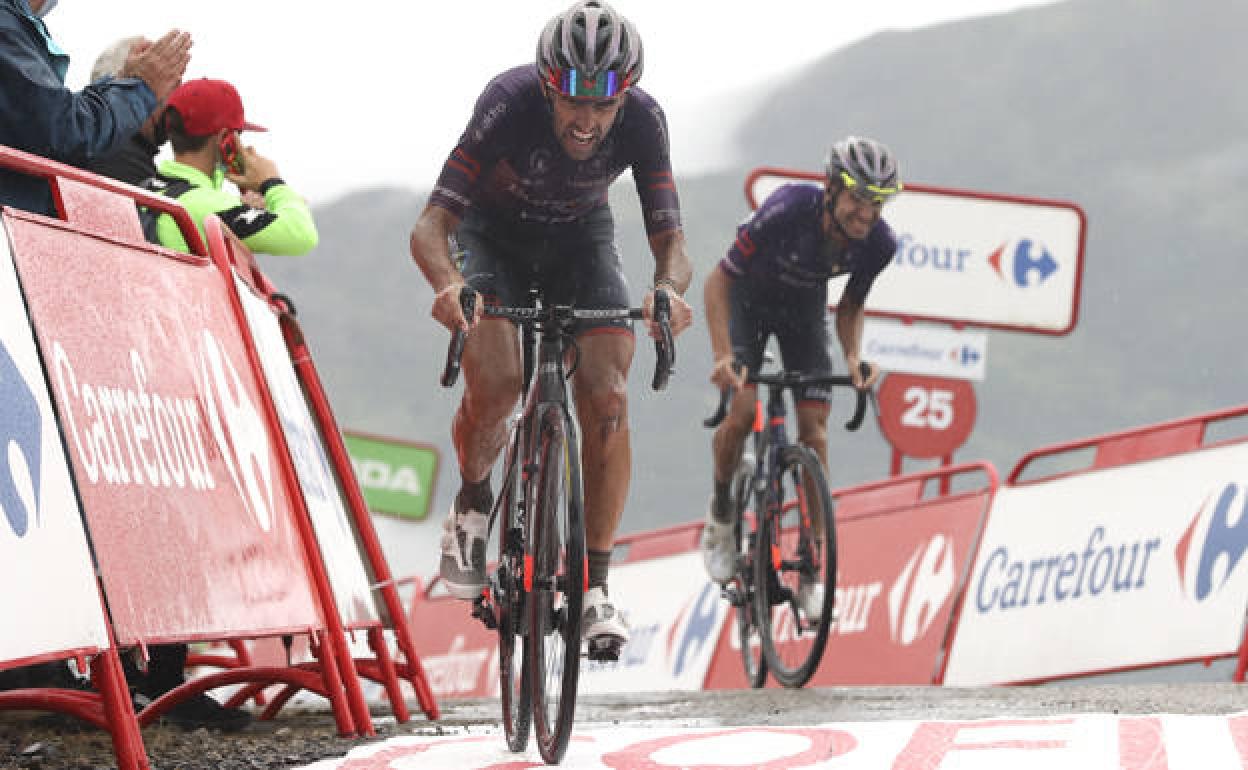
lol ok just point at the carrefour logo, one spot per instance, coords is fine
(134, 431)
(1213, 546)
(921, 590)
(1099, 567)
(700, 632)
(239, 431)
(21, 429)
(1025, 263)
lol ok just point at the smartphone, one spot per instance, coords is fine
(232, 152)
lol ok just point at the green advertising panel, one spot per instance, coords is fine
(396, 476)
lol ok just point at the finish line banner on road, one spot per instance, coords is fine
(1082, 742)
(983, 259)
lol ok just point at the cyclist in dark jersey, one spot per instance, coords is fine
(774, 281)
(523, 199)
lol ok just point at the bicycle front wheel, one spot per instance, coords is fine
(557, 545)
(742, 586)
(795, 568)
(509, 596)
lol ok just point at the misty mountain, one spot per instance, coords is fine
(1130, 108)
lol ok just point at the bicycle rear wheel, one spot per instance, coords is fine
(742, 585)
(513, 676)
(557, 543)
(789, 553)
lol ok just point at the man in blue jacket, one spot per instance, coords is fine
(38, 114)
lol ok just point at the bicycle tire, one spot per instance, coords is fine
(557, 540)
(513, 672)
(784, 549)
(745, 531)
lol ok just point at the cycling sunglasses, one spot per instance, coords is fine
(869, 193)
(569, 82)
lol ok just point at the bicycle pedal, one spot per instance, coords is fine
(604, 649)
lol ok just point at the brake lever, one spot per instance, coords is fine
(450, 372)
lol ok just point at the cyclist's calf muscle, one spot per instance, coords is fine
(729, 438)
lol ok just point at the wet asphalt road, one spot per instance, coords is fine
(869, 704)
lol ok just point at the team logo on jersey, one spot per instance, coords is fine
(539, 161)
(921, 590)
(1211, 550)
(238, 430)
(1025, 263)
(21, 447)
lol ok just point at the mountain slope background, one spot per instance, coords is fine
(1132, 109)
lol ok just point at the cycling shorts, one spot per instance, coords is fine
(801, 331)
(574, 264)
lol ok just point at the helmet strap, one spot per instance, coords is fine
(830, 205)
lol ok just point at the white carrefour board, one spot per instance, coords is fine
(982, 259)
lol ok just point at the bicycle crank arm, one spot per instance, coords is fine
(484, 612)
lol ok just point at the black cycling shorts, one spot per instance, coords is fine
(801, 330)
(574, 264)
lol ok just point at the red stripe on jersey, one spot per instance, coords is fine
(469, 167)
(662, 181)
(745, 245)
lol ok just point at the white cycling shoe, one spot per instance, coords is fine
(810, 600)
(602, 626)
(463, 553)
(719, 549)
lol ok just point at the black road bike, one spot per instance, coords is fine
(785, 534)
(535, 592)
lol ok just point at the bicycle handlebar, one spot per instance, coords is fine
(663, 346)
(796, 379)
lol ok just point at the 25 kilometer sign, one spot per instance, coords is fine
(926, 417)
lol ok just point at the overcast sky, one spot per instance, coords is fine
(367, 94)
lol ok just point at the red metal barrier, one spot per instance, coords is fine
(1129, 446)
(382, 668)
(195, 539)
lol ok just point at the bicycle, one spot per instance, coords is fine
(535, 591)
(778, 545)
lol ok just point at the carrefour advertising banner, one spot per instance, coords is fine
(164, 425)
(984, 259)
(319, 484)
(1130, 566)
(50, 601)
(898, 578)
(397, 477)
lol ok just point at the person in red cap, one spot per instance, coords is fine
(202, 120)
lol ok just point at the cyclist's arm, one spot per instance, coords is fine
(430, 247)
(715, 295)
(850, 320)
(673, 268)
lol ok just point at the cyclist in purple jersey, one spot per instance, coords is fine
(773, 282)
(522, 200)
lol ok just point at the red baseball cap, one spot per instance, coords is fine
(207, 106)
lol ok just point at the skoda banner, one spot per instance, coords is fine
(396, 476)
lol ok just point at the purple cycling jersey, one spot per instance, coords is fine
(784, 256)
(510, 167)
